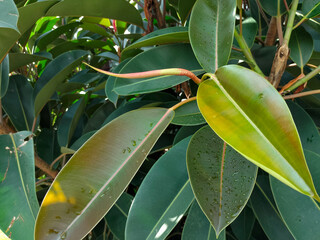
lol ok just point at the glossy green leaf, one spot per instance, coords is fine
(308, 131)
(301, 46)
(211, 32)
(120, 10)
(69, 121)
(311, 8)
(4, 76)
(222, 180)
(53, 75)
(249, 31)
(18, 60)
(243, 225)
(18, 103)
(117, 216)
(229, 103)
(19, 204)
(154, 214)
(109, 88)
(184, 9)
(81, 140)
(188, 115)
(299, 212)
(28, 15)
(198, 227)
(266, 212)
(271, 6)
(8, 16)
(48, 148)
(169, 56)
(184, 132)
(94, 178)
(161, 37)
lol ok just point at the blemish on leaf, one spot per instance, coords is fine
(53, 231)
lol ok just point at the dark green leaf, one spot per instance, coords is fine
(120, 10)
(184, 132)
(184, 9)
(8, 16)
(243, 225)
(162, 36)
(169, 56)
(249, 31)
(266, 211)
(117, 216)
(18, 60)
(188, 115)
(211, 32)
(154, 214)
(271, 6)
(18, 103)
(198, 227)
(311, 8)
(301, 46)
(4, 76)
(53, 75)
(19, 205)
(299, 212)
(222, 179)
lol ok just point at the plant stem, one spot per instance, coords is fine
(154, 73)
(302, 94)
(246, 51)
(289, 27)
(182, 103)
(304, 79)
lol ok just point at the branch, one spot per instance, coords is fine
(302, 94)
(45, 167)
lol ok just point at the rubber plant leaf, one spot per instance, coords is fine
(252, 117)
(95, 177)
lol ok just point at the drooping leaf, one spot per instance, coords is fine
(266, 212)
(184, 9)
(311, 8)
(243, 225)
(162, 36)
(271, 6)
(168, 56)
(18, 103)
(96, 175)
(53, 75)
(229, 101)
(19, 204)
(170, 178)
(18, 60)
(211, 32)
(120, 10)
(222, 180)
(28, 15)
(299, 212)
(117, 216)
(69, 121)
(301, 46)
(4, 76)
(188, 115)
(198, 227)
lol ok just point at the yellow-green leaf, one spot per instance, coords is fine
(97, 174)
(251, 116)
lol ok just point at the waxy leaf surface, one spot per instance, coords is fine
(222, 180)
(211, 32)
(19, 204)
(198, 227)
(251, 116)
(95, 177)
(188, 115)
(154, 214)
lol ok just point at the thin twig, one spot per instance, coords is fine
(45, 167)
(139, 3)
(302, 94)
(57, 159)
